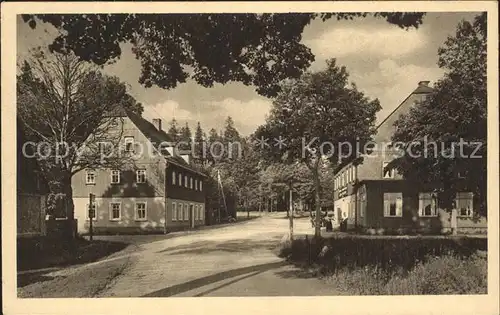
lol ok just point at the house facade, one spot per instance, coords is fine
(370, 197)
(158, 191)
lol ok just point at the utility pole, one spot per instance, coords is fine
(91, 214)
(291, 212)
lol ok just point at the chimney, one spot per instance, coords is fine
(157, 123)
(423, 83)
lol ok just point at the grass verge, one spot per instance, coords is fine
(42, 252)
(394, 266)
(88, 282)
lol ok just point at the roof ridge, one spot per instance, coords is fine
(418, 90)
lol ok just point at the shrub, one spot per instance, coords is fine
(396, 265)
(443, 275)
(439, 275)
(387, 253)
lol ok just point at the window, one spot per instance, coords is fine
(180, 179)
(202, 212)
(427, 204)
(140, 211)
(393, 204)
(102, 147)
(90, 178)
(191, 182)
(196, 213)
(115, 211)
(141, 176)
(92, 212)
(387, 173)
(129, 144)
(464, 202)
(180, 214)
(195, 184)
(186, 212)
(186, 181)
(173, 178)
(115, 176)
(174, 211)
(201, 185)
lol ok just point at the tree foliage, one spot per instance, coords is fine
(314, 115)
(254, 49)
(456, 112)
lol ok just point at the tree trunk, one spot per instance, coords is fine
(69, 205)
(317, 187)
(453, 223)
(290, 207)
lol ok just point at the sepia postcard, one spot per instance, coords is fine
(251, 157)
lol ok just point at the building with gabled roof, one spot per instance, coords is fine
(370, 196)
(160, 191)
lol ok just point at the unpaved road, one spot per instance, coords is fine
(236, 260)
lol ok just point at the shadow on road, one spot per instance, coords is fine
(197, 283)
(297, 273)
(25, 279)
(231, 246)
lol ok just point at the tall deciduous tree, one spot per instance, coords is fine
(312, 117)
(455, 113)
(254, 49)
(67, 108)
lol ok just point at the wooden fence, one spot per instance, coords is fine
(30, 215)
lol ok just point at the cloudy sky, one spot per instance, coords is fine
(383, 60)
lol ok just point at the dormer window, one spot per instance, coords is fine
(141, 176)
(387, 173)
(115, 176)
(90, 177)
(129, 144)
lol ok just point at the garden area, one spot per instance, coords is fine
(362, 265)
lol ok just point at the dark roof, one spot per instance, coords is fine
(118, 111)
(157, 137)
(149, 130)
(422, 88)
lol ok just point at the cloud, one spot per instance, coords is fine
(348, 40)
(392, 82)
(247, 115)
(166, 110)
